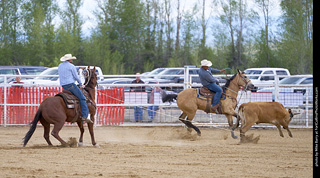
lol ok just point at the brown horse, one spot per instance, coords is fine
(53, 110)
(189, 103)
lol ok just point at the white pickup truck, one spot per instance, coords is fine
(265, 77)
(43, 79)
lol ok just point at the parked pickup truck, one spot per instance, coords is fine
(262, 77)
(42, 79)
(20, 70)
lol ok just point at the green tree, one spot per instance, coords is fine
(295, 47)
(9, 32)
(69, 32)
(37, 18)
(131, 33)
(190, 42)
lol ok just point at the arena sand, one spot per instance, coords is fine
(157, 152)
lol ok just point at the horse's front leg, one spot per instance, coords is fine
(90, 127)
(80, 125)
(232, 128)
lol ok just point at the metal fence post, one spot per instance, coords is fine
(307, 108)
(5, 101)
(186, 77)
(276, 88)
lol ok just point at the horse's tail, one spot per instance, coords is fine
(32, 128)
(237, 122)
(168, 97)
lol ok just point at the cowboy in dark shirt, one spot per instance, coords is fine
(207, 80)
(137, 80)
(138, 111)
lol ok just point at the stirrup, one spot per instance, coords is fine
(88, 120)
(216, 108)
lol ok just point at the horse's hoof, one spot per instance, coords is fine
(80, 144)
(96, 146)
(233, 136)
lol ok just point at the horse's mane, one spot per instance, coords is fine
(229, 80)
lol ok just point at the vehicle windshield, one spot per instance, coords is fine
(48, 72)
(9, 72)
(156, 71)
(253, 72)
(253, 77)
(170, 72)
(33, 71)
(292, 80)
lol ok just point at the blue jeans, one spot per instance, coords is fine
(74, 89)
(152, 111)
(138, 112)
(215, 88)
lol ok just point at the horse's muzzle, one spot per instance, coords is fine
(250, 86)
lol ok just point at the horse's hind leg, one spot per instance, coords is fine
(46, 128)
(55, 132)
(183, 115)
(189, 124)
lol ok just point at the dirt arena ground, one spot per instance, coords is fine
(157, 152)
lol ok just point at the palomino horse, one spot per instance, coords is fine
(189, 103)
(53, 110)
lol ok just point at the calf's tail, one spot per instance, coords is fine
(32, 128)
(239, 116)
(168, 97)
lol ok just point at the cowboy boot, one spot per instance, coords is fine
(88, 120)
(215, 108)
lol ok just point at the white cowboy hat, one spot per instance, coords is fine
(205, 62)
(67, 57)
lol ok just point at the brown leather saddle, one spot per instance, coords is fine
(72, 102)
(206, 94)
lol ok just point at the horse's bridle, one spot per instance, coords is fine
(88, 77)
(245, 81)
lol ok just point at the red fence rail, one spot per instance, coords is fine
(23, 102)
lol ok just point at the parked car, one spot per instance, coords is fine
(129, 81)
(110, 81)
(153, 72)
(295, 84)
(265, 76)
(45, 80)
(20, 70)
(178, 71)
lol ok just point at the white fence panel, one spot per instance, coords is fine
(135, 98)
(169, 113)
